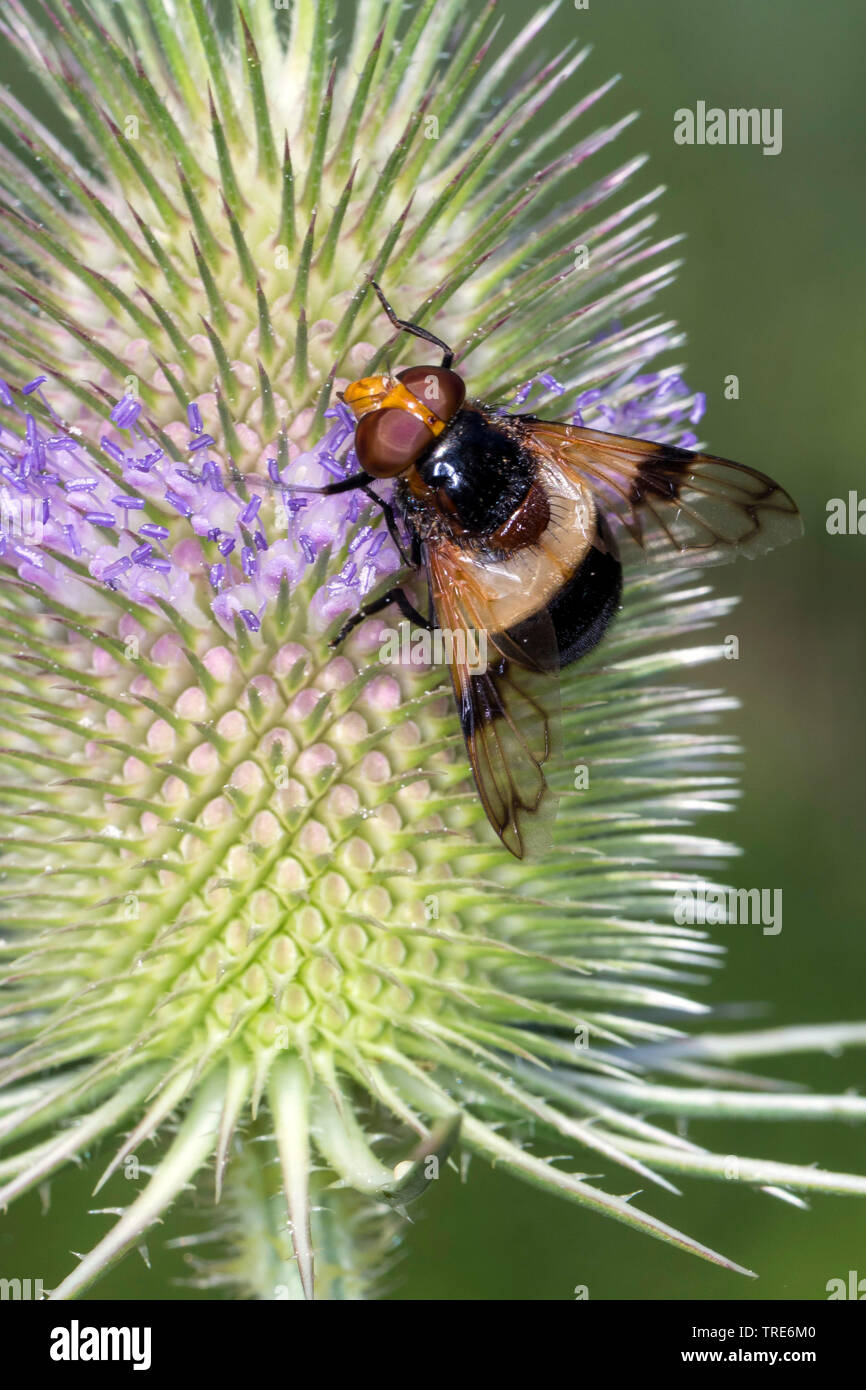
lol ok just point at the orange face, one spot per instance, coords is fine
(399, 417)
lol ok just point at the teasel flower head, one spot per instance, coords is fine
(258, 933)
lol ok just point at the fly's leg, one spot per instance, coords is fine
(391, 523)
(358, 480)
(396, 596)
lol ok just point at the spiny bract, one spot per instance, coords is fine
(254, 910)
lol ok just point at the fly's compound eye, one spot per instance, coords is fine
(388, 441)
(439, 389)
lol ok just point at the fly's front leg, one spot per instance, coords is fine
(354, 480)
(358, 480)
(391, 523)
(396, 596)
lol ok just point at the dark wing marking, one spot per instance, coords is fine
(508, 712)
(664, 496)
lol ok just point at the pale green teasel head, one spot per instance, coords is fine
(257, 929)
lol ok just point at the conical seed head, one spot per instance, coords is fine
(255, 844)
(240, 196)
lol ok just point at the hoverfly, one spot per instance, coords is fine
(517, 523)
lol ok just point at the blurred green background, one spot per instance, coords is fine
(772, 291)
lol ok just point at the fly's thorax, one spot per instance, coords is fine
(478, 473)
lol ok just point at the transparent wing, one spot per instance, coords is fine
(666, 497)
(508, 704)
